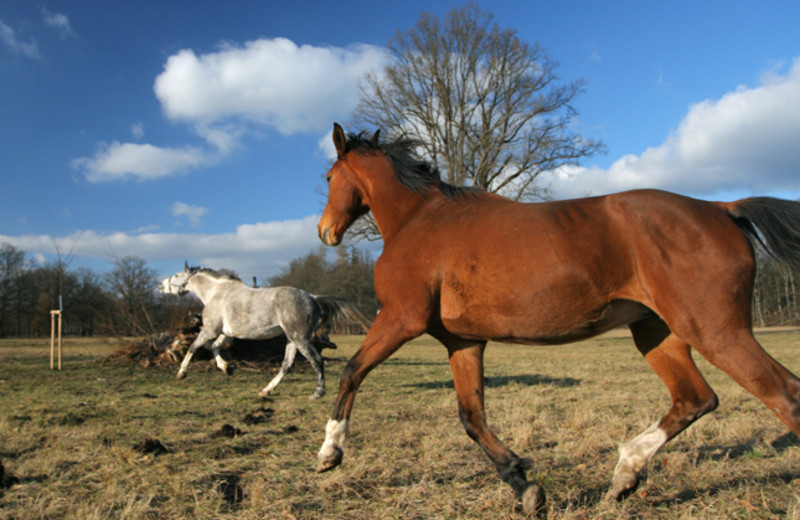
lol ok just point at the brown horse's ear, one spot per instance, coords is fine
(375, 136)
(339, 140)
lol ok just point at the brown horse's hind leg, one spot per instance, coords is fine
(466, 363)
(671, 359)
(742, 357)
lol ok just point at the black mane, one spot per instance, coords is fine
(414, 173)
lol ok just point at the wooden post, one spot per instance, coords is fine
(55, 315)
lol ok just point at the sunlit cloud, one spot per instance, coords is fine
(744, 142)
(141, 161)
(224, 95)
(273, 82)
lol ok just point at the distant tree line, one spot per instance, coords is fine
(775, 300)
(124, 301)
(348, 277)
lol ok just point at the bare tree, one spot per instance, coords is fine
(132, 286)
(487, 107)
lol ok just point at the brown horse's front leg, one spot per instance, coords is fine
(466, 362)
(384, 337)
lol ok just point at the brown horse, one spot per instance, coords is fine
(467, 266)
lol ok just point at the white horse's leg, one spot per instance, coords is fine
(315, 358)
(288, 361)
(199, 341)
(221, 341)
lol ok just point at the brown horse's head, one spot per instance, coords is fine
(345, 194)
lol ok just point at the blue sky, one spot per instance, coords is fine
(200, 130)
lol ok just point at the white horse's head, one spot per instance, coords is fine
(176, 284)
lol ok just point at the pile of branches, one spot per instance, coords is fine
(167, 349)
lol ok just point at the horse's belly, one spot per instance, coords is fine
(253, 331)
(542, 325)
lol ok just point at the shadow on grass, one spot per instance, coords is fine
(747, 448)
(688, 495)
(785, 441)
(499, 381)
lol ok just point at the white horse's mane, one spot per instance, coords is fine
(214, 273)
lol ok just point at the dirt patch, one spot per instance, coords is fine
(150, 447)
(229, 486)
(259, 416)
(226, 430)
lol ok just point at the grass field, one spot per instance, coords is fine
(103, 439)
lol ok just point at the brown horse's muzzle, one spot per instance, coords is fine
(328, 237)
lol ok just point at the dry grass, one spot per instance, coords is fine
(75, 440)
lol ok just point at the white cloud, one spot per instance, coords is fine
(142, 161)
(8, 38)
(326, 147)
(60, 22)
(271, 83)
(745, 142)
(260, 249)
(193, 213)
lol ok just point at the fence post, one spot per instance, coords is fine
(55, 315)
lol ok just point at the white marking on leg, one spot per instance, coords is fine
(639, 450)
(335, 435)
(633, 456)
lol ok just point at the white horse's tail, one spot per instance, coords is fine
(335, 312)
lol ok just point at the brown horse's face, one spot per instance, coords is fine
(345, 196)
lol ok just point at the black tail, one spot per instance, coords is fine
(773, 224)
(336, 312)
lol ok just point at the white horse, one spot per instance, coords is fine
(234, 310)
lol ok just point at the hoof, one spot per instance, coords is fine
(264, 393)
(316, 395)
(622, 488)
(181, 375)
(228, 371)
(330, 461)
(532, 501)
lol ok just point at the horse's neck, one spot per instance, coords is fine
(204, 287)
(392, 204)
